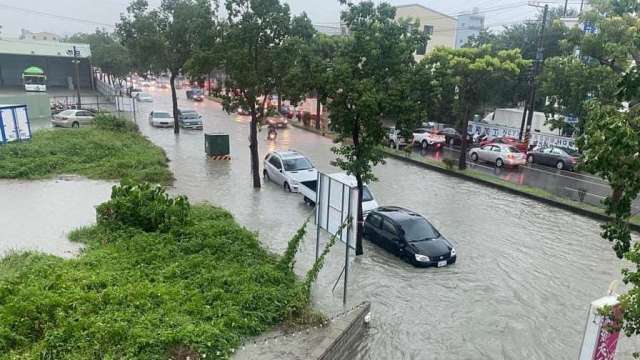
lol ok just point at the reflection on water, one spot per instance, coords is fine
(38, 215)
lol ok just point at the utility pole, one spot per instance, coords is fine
(76, 62)
(537, 67)
(566, 2)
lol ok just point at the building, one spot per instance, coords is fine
(440, 27)
(468, 25)
(55, 58)
(39, 36)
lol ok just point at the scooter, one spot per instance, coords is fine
(272, 134)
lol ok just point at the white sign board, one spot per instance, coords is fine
(14, 123)
(336, 201)
(494, 131)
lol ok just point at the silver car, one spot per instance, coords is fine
(499, 154)
(72, 118)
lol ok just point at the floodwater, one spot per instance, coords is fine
(38, 215)
(525, 275)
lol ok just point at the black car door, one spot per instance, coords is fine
(372, 227)
(390, 237)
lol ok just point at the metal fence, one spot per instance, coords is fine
(114, 104)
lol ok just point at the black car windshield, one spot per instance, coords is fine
(190, 115)
(297, 164)
(418, 229)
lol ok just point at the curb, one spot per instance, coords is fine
(559, 204)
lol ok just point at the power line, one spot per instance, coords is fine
(61, 17)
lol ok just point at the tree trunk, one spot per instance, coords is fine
(174, 101)
(279, 102)
(318, 104)
(360, 220)
(462, 162)
(253, 146)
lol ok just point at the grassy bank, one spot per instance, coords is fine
(152, 284)
(108, 151)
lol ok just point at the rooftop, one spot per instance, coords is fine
(14, 46)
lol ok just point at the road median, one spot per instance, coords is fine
(496, 183)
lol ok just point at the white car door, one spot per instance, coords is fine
(84, 117)
(274, 168)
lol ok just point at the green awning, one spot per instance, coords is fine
(33, 70)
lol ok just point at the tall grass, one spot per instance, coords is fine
(110, 150)
(136, 294)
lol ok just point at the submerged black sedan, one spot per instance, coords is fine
(408, 235)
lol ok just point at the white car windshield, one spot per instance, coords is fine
(67, 113)
(297, 164)
(161, 115)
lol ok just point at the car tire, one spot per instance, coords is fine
(392, 144)
(424, 144)
(474, 157)
(530, 159)
(499, 163)
(286, 186)
(560, 165)
(75, 125)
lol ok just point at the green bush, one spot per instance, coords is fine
(91, 152)
(145, 295)
(105, 121)
(144, 206)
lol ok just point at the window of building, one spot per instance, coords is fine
(427, 31)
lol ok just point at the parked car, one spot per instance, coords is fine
(408, 235)
(427, 137)
(143, 97)
(453, 137)
(499, 154)
(277, 121)
(562, 158)
(288, 169)
(72, 118)
(190, 119)
(507, 140)
(160, 119)
(393, 138)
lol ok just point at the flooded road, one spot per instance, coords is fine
(38, 215)
(525, 275)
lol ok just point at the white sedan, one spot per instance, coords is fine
(160, 119)
(72, 118)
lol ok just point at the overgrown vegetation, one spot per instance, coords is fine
(142, 294)
(113, 149)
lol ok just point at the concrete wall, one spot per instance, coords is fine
(57, 69)
(38, 106)
(345, 345)
(444, 26)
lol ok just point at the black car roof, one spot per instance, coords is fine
(397, 213)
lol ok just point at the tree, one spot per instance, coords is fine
(610, 148)
(365, 66)
(106, 52)
(476, 72)
(567, 81)
(164, 38)
(255, 32)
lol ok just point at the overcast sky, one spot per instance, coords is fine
(322, 12)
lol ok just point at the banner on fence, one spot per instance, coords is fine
(540, 139)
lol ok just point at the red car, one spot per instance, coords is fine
(507, 140)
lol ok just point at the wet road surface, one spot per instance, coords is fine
(525, 273)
